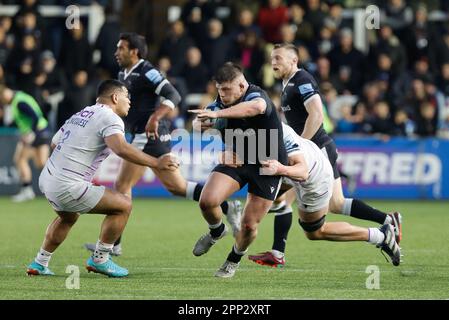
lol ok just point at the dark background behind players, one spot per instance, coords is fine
(405, 65)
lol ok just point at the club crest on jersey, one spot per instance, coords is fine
(305, 88)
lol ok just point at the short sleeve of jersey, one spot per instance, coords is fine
(152, 75)
(111, 124)
(57, 136)
(306, 86)
(291, 145)
(254, 94)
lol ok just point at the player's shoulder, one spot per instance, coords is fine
(151, 72)
(254, 92)
(302, 76)
(106, 115)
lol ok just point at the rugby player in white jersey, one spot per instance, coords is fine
(311, 174)
(80, 145)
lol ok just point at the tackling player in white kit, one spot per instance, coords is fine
(80, 145)
(311, 174)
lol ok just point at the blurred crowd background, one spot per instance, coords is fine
(392, 80)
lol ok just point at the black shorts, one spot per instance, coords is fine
(263, 186)
(42, 137)
(154, 147)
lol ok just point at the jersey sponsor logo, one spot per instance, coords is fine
(252, 96)
(305, 88)
(154, 76)
(286, 108)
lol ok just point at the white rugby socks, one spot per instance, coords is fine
(43, 257)
(101, 253)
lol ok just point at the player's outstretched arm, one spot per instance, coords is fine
(296, 170)
(123, 149)
(245, 109)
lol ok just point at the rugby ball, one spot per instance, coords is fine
(217, 123)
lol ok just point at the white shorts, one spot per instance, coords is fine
(70, 196)
(315, 193)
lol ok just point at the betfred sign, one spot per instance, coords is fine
(396, 169)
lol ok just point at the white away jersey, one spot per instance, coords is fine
(314, 157)
(80, 145)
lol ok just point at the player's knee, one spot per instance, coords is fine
(176, 190)
(315, 235)
(313, 230)
(207, 203)
(336, 204)
(123, 187)
(69, 219)
(249, 227)
(127, 205)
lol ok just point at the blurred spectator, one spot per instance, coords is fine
(348, 63)
(78, 95)
(195, 72)
(209, 96)
(404, 82)
(23, 62)
(2, 77)
(239, 6)
(380, 121)
(175, 45)
(268, 80)
(402, 125)
(305, 60)
(245, 24)
(4, 50)
(304, 29)
(415, 96)
(28, 26)
(389, 44)
(426, 125)
(271, 17)
(250, 56)
(348, 123)
(50, 79)
(106, 43)
(420, 37)
(325, 42)
(441, 53)
(370, 97)
(443, 79)
(216, 47)
(195, 15)
(315, 15)
(164, 66)
(288, 33)
(334, 102)
(334, 20)
(26, 6)
(399, 16)
(76, 53)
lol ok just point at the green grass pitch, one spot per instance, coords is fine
(158, 244)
